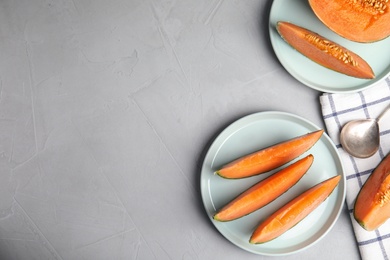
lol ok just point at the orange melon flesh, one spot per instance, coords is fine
(325, 52)
(265, 191)
(294, 211)
(358, 21)
(372, 205)
(269, 158)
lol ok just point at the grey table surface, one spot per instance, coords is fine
(106, 111)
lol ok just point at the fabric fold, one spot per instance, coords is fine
(337, 110)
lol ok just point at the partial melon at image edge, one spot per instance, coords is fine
(359, 21)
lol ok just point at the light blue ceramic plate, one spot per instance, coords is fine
(308, 72)
(252, 133)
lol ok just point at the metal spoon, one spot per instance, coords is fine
(360, 138)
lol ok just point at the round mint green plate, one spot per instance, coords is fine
(310, 73)
(249, 134)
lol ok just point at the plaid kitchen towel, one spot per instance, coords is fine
(338, 109)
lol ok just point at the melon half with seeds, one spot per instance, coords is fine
(324, 51)
(356, 20)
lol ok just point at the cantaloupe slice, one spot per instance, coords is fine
(294, 211)
(265, 191)
(269, 158)
(324, 52)
(372, 205)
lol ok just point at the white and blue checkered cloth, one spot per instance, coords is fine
(338, 109)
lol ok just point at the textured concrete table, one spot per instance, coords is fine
(106, 111)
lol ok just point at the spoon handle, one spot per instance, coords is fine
(383, 113)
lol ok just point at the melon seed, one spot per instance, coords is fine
(384, 194)
(331, 48)
(384, 198)
(373, 7)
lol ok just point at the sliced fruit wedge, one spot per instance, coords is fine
(265, 191)
(269, 158)
(324, 52)
(294, 211)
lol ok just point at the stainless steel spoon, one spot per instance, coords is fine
(360, 138)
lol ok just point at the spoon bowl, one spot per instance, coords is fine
(360, 138)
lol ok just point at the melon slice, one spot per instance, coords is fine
(324, 51)
(372, 205)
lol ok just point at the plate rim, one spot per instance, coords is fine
(295, 74)
(342, 188)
